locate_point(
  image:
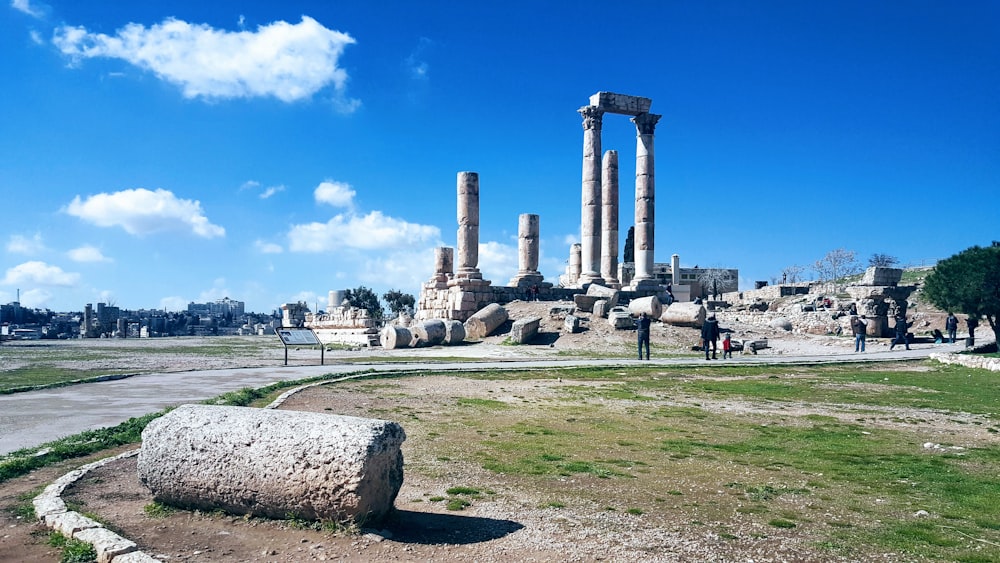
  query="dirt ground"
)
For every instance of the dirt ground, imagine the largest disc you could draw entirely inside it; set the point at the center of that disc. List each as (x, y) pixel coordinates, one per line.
(511, 526)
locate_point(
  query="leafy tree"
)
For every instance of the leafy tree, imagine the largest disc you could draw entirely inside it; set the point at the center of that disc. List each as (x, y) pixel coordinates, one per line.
(836, 264)
(883, 261)
(364, 298)
(968, 282)
(399, 302)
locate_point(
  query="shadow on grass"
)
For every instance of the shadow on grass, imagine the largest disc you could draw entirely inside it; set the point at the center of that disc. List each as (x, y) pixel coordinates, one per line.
(408, 526)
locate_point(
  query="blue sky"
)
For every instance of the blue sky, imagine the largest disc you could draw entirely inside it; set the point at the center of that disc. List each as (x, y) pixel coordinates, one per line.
(157, 153)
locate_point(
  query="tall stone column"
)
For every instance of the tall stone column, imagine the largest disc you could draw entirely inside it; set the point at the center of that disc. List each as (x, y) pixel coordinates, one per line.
(609, 219)
(645, 194)
(468, 226)
(590, 219)
(675, 270)
(527, 251)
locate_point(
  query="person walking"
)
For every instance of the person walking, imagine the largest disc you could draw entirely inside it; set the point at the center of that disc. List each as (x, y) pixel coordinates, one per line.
(642, 331)
(901, 337)
(860, 327)
(727, 347)
(951, 326)
(710, 335)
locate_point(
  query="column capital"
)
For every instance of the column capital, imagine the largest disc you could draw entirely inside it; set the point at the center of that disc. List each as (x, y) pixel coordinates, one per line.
(592, 117)
(645, 123)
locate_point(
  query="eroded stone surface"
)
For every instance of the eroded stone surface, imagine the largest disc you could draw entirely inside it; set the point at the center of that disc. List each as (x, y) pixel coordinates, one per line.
(273, 463)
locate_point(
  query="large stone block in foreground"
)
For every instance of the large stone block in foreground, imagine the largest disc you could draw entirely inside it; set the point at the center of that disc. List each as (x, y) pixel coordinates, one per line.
(273, 463)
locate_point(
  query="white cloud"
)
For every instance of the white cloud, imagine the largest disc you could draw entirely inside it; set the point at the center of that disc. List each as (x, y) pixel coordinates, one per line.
(287, 61)
(217, 291)
(570, 240)
(270, 191)
(404, 270)
(28, 7)
(36, 298)
(267, 247)
(337, 194)
(174, 303)
(250, 185)
(141, 212)
(36, 37)
(39, 273)
(370, 232)
(497, 261)
(416, 65)
(87, 253)
(22, 245)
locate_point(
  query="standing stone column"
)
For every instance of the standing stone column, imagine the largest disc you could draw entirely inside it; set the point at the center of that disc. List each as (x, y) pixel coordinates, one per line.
(574, 263)
(644, 201)
(527, 251)
(675, 270)
(468, 226)
(609, 219)
(590, 220)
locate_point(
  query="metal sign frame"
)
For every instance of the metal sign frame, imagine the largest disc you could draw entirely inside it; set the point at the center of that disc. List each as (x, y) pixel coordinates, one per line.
(300, 337)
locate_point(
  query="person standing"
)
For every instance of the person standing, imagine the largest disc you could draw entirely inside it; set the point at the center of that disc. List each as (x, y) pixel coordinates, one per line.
(727, 347)
(901, 337)
(710, 335)
(972, 323)
(951, 326)
(642, 330)
(860, 327)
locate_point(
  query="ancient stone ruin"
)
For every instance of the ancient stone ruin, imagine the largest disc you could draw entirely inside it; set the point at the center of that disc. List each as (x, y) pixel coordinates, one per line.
(273, 463)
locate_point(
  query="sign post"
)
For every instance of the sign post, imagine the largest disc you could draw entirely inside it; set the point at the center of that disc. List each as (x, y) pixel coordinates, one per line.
(300, 337)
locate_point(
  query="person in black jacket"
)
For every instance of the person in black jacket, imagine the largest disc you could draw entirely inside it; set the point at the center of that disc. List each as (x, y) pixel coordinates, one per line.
(710, 335)
(951, 326)
(901, 338)
(642, 331)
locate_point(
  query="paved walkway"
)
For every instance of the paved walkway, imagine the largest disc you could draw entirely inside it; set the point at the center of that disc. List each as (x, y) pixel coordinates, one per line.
(36, 417)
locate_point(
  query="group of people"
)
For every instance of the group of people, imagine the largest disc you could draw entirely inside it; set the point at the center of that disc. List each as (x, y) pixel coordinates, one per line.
(710, 333)
(859, 326)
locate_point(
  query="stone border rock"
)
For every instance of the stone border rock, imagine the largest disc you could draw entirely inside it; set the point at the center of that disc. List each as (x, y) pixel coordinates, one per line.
(50, 508)
(967, 360)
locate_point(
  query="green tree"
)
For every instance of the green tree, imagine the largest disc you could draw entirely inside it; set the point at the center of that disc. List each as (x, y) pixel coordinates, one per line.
(399, 301)
(968, 282)
(364, 298)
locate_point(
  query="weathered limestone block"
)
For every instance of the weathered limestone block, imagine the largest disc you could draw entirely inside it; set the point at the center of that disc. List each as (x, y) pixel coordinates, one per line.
(69, 523)
(485, 321)
(572, 324)
(454, 331)
(107, 544)
(561, 310)
(428, 333)
(783, 323)
(601, 308)
(875, 275)
(395, 336)
(585, 303)
(523, 330)
(136, 557)
(686, 313)
(604, 292)
(273, 463)
(650, 305)
(620, 318)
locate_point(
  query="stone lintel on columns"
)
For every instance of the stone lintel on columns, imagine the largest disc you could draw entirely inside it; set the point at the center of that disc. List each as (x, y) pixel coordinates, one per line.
(621, 103)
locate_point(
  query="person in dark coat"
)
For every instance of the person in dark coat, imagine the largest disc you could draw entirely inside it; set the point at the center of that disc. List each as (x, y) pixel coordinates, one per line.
(972, 323)
(951, 326)
(642, 331)
(710, 335)
(901, 328)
